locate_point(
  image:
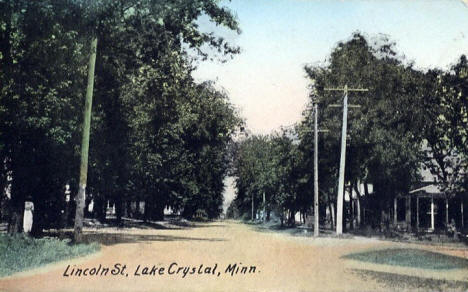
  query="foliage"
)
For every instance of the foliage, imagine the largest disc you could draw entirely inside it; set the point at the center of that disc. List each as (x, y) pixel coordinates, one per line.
(404, 113)
(141, 136)
(270, 166)
(445, 106)
(383, 144)
(40, 99)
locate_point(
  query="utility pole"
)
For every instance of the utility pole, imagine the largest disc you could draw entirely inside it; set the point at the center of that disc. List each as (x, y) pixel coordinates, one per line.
(316, 188)
(264, 207)
(80, 198)
(339, 202)
(252, 207)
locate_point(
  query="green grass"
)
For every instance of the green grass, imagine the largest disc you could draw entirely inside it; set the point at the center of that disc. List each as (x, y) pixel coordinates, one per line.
(407, 257)
(20, 253)
(396, 282)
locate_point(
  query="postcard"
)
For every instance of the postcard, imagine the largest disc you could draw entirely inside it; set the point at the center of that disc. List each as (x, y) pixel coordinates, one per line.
(243, 145)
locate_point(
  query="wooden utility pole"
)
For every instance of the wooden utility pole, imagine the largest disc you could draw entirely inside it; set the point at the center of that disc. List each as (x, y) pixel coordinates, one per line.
(316, 180)
(339, 202)
(316, 186)
(80, 198)
(252, 207)
(316, 189)
(264, 207)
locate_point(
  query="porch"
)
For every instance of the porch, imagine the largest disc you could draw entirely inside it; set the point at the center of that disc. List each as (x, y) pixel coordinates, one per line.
(428, 209)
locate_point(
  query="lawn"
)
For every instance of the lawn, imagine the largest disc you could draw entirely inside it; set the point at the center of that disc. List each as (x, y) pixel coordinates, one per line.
(20, 253)
(407, 257)
(396, 282)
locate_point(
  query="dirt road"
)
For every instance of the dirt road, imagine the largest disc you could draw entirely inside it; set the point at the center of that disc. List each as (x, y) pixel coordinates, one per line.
(234, 257)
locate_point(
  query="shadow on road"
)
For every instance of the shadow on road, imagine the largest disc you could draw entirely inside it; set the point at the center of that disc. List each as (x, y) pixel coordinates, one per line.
(134, 231)
(196, 225)
(107, 238)
(170, 224)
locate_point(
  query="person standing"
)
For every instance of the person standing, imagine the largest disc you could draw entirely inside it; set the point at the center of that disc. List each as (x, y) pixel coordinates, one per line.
(28, 215)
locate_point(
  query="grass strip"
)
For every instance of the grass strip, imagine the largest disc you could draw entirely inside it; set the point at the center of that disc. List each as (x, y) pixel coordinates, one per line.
(20, 253)
(408, 257)
(397, 282)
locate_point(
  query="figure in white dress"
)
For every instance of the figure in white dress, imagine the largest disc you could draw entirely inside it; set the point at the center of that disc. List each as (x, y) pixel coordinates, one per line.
(28, 216)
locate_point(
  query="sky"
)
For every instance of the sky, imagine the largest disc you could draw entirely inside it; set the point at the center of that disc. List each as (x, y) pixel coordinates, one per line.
(266, 81)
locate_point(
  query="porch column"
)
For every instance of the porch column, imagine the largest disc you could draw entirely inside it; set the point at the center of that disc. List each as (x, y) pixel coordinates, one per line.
(395, 211)
(417, 212)
(432, 212)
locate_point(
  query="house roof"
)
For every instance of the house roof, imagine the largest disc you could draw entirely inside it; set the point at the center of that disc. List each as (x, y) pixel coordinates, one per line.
(429, 189)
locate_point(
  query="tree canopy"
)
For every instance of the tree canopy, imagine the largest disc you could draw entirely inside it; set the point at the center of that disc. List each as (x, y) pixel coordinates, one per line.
(156, 135)
(408, 119)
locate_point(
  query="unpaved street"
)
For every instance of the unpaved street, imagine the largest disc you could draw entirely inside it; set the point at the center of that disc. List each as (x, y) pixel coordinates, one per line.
(172, 258)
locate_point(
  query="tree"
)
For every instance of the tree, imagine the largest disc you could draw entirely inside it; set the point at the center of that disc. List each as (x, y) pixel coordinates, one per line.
(383, 147)
(39, 99)
(270, 166)
(45, 46)
(445, 126)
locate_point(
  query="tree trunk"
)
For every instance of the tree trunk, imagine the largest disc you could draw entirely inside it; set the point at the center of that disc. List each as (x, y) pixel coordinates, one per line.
(292, 218)
(119, 209)
(2, 196)
(38, 220)
(126, 212)
(358, 205)
(351, 210)
(358, 211)
(332, 212)
(408, 214)
(100, 209)
(158, 214)
(16, 212)
(15, 224)
(148, 211)
(282, 217)
(382, 220)
(366, 193)
(343, 215)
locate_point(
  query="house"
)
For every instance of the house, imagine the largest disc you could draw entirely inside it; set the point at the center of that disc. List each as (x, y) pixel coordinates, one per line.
(428, 207)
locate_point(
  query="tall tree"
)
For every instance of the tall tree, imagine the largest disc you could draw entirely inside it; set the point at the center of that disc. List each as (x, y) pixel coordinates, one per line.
(39, 96)
(383, 148)
(444, 130)
(45, 45)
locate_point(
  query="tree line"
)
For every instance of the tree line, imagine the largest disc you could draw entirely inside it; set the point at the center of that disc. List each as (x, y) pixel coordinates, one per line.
(156, 134)
(408, 119)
